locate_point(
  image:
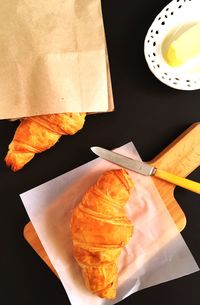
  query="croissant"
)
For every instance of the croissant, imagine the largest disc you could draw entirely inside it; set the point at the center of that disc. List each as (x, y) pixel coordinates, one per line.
(39, 133)
(100, 229)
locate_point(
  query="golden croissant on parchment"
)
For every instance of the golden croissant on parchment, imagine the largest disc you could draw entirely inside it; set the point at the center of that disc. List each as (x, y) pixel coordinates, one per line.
(39, 133)
(100, 230)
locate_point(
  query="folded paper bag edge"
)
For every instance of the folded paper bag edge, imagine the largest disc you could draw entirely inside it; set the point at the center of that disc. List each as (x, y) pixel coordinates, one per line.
(12, 90)
(49, 85)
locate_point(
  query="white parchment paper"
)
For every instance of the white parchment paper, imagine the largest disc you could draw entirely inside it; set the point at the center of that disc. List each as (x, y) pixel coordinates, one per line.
(156, 253)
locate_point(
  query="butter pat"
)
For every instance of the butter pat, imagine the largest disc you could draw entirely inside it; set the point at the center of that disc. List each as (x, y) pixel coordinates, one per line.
(186, 47)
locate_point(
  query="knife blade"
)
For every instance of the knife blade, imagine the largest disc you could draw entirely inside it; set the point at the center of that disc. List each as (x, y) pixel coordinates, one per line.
(145, 169)
(134, 165)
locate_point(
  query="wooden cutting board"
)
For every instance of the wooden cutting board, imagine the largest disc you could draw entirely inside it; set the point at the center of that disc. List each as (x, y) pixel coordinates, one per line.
(181, 157)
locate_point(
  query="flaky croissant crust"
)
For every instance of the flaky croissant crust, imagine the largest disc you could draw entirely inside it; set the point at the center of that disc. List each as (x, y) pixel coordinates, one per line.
(39, 133)
(100, 229)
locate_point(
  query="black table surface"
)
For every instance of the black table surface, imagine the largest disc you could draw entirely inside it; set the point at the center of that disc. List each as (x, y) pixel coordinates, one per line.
(148, 113)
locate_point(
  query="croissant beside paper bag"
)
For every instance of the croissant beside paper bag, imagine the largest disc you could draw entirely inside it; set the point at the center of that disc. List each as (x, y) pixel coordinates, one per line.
(39, 133)
(100, 230)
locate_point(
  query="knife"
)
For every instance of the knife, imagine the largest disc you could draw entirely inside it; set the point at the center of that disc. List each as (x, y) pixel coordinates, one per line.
(145, 169)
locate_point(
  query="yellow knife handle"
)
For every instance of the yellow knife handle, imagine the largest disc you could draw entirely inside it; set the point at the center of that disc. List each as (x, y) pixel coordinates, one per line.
(182, 182)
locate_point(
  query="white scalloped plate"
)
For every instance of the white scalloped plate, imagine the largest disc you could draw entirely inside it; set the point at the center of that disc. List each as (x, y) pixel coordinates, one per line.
(176, 17)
